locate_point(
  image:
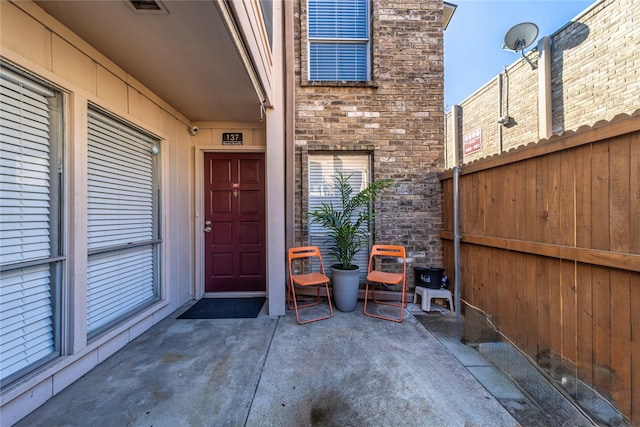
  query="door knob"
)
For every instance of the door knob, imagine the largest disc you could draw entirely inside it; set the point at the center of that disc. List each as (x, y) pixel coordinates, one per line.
(207, 229)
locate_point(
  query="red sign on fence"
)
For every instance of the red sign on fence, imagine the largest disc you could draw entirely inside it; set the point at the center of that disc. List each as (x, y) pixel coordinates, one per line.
(472, 141)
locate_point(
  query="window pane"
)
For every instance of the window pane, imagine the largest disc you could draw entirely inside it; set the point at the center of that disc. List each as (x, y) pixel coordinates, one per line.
(122, 210)
(338, 37)
(31, 173)
(338, 19)
(25, 181)
(26, 318)
(338, 61)
(120, 186)
(322, 171)
(119, 282)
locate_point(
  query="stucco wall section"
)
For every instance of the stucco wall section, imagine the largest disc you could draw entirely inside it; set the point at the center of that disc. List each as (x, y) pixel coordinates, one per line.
(210, 134)
(398, 119)
(594, 76)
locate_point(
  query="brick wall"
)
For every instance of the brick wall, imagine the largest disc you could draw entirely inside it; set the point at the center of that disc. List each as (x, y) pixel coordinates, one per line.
(594, 63)
(398, 118)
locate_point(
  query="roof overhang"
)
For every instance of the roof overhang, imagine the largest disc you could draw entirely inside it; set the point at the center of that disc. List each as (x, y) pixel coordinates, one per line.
(186, 54)
(448, 9)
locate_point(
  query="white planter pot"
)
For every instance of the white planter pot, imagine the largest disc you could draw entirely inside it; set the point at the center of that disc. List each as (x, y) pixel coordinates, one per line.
(346, 284)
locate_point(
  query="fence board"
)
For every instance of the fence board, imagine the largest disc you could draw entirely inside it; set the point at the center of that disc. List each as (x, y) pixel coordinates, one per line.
(619, 187)
(532, 307)
(634, 194)
(566, 201)
(474, 216)
(583, 196)
(544, 344)
(602, 329)
(530, 202)
(447, 204)
(510, 301)
(552, 208)
(520, 195)
(486, 282)
(500, 281)
(585, 361)
(493, 212)
(635, 347)
(621, 339)
(600, 196)
(522, 318)
(485, 200)
(568, 318)
(468, 268)
(555, 310)
(509, 202)
(541, 199)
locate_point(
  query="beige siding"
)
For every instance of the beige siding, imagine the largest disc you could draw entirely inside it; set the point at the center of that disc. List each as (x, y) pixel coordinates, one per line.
(33, 41)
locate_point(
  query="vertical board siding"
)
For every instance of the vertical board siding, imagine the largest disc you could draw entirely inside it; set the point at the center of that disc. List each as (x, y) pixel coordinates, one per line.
(621, 338)
(634, 194)
(634, 288)
(549, 251)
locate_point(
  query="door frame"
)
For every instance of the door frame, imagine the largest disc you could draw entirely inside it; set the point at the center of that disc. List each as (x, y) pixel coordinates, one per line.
(199, 291)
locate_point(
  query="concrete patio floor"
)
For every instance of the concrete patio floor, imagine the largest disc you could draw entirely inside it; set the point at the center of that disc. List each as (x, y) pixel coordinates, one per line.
(350, 370)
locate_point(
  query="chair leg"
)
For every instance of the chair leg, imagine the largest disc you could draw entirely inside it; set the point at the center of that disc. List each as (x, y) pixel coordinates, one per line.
(401, 306)
(298, 307)
(290, 307)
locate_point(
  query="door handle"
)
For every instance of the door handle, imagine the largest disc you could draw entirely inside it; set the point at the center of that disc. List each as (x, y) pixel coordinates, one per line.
(207, 229)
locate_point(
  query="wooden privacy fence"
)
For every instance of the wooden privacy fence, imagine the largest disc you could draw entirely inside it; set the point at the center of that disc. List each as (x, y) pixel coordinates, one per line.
(550, 252)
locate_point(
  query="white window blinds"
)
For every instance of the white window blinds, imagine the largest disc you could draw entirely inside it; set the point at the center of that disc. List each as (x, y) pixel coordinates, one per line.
(123, 221)
(29, 256)
(338, 35)
(322, 171)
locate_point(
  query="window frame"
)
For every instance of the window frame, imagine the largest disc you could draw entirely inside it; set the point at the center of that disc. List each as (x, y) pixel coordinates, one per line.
(54, 261)
(317, 238)
(367, 81)
(154, 241)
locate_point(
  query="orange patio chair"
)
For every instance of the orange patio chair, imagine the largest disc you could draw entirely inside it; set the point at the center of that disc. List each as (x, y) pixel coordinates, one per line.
(315, 279)
(386, 278)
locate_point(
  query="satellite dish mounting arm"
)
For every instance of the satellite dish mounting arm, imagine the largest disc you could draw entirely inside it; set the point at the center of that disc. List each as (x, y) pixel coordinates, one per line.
(533, 66)
(520, 37)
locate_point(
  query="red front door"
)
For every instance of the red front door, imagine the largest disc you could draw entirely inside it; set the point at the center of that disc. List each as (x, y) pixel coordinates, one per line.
(234, 213)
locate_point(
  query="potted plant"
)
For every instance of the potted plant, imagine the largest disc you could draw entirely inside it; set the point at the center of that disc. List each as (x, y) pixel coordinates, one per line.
(344, 222)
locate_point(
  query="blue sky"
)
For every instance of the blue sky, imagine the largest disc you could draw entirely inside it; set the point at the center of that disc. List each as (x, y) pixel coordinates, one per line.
(473, 40)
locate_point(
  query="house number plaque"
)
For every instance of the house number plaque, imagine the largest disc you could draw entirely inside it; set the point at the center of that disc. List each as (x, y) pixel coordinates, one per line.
(231, 138)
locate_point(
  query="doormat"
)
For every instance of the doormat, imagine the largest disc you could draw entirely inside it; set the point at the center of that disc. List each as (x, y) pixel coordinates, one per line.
(225, 308)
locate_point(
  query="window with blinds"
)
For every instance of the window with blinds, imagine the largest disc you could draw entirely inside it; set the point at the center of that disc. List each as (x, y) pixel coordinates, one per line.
(123, 221)
(31, 253)
(322, 170)
(338, 38)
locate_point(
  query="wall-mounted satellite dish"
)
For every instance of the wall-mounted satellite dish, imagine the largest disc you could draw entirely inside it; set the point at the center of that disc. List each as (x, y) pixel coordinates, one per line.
(520, 37)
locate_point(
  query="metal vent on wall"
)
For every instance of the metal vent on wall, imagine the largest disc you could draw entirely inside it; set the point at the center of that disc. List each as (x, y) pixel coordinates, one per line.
(147, 6)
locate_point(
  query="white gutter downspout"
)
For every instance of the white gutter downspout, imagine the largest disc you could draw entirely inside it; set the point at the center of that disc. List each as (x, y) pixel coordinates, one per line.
(545, 123)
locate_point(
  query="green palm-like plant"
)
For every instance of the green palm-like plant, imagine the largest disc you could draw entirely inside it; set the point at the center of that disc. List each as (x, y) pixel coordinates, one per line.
(344, 221)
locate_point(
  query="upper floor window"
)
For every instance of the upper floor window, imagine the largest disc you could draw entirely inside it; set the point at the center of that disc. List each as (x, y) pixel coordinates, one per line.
(267, 16)
(338, 40)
